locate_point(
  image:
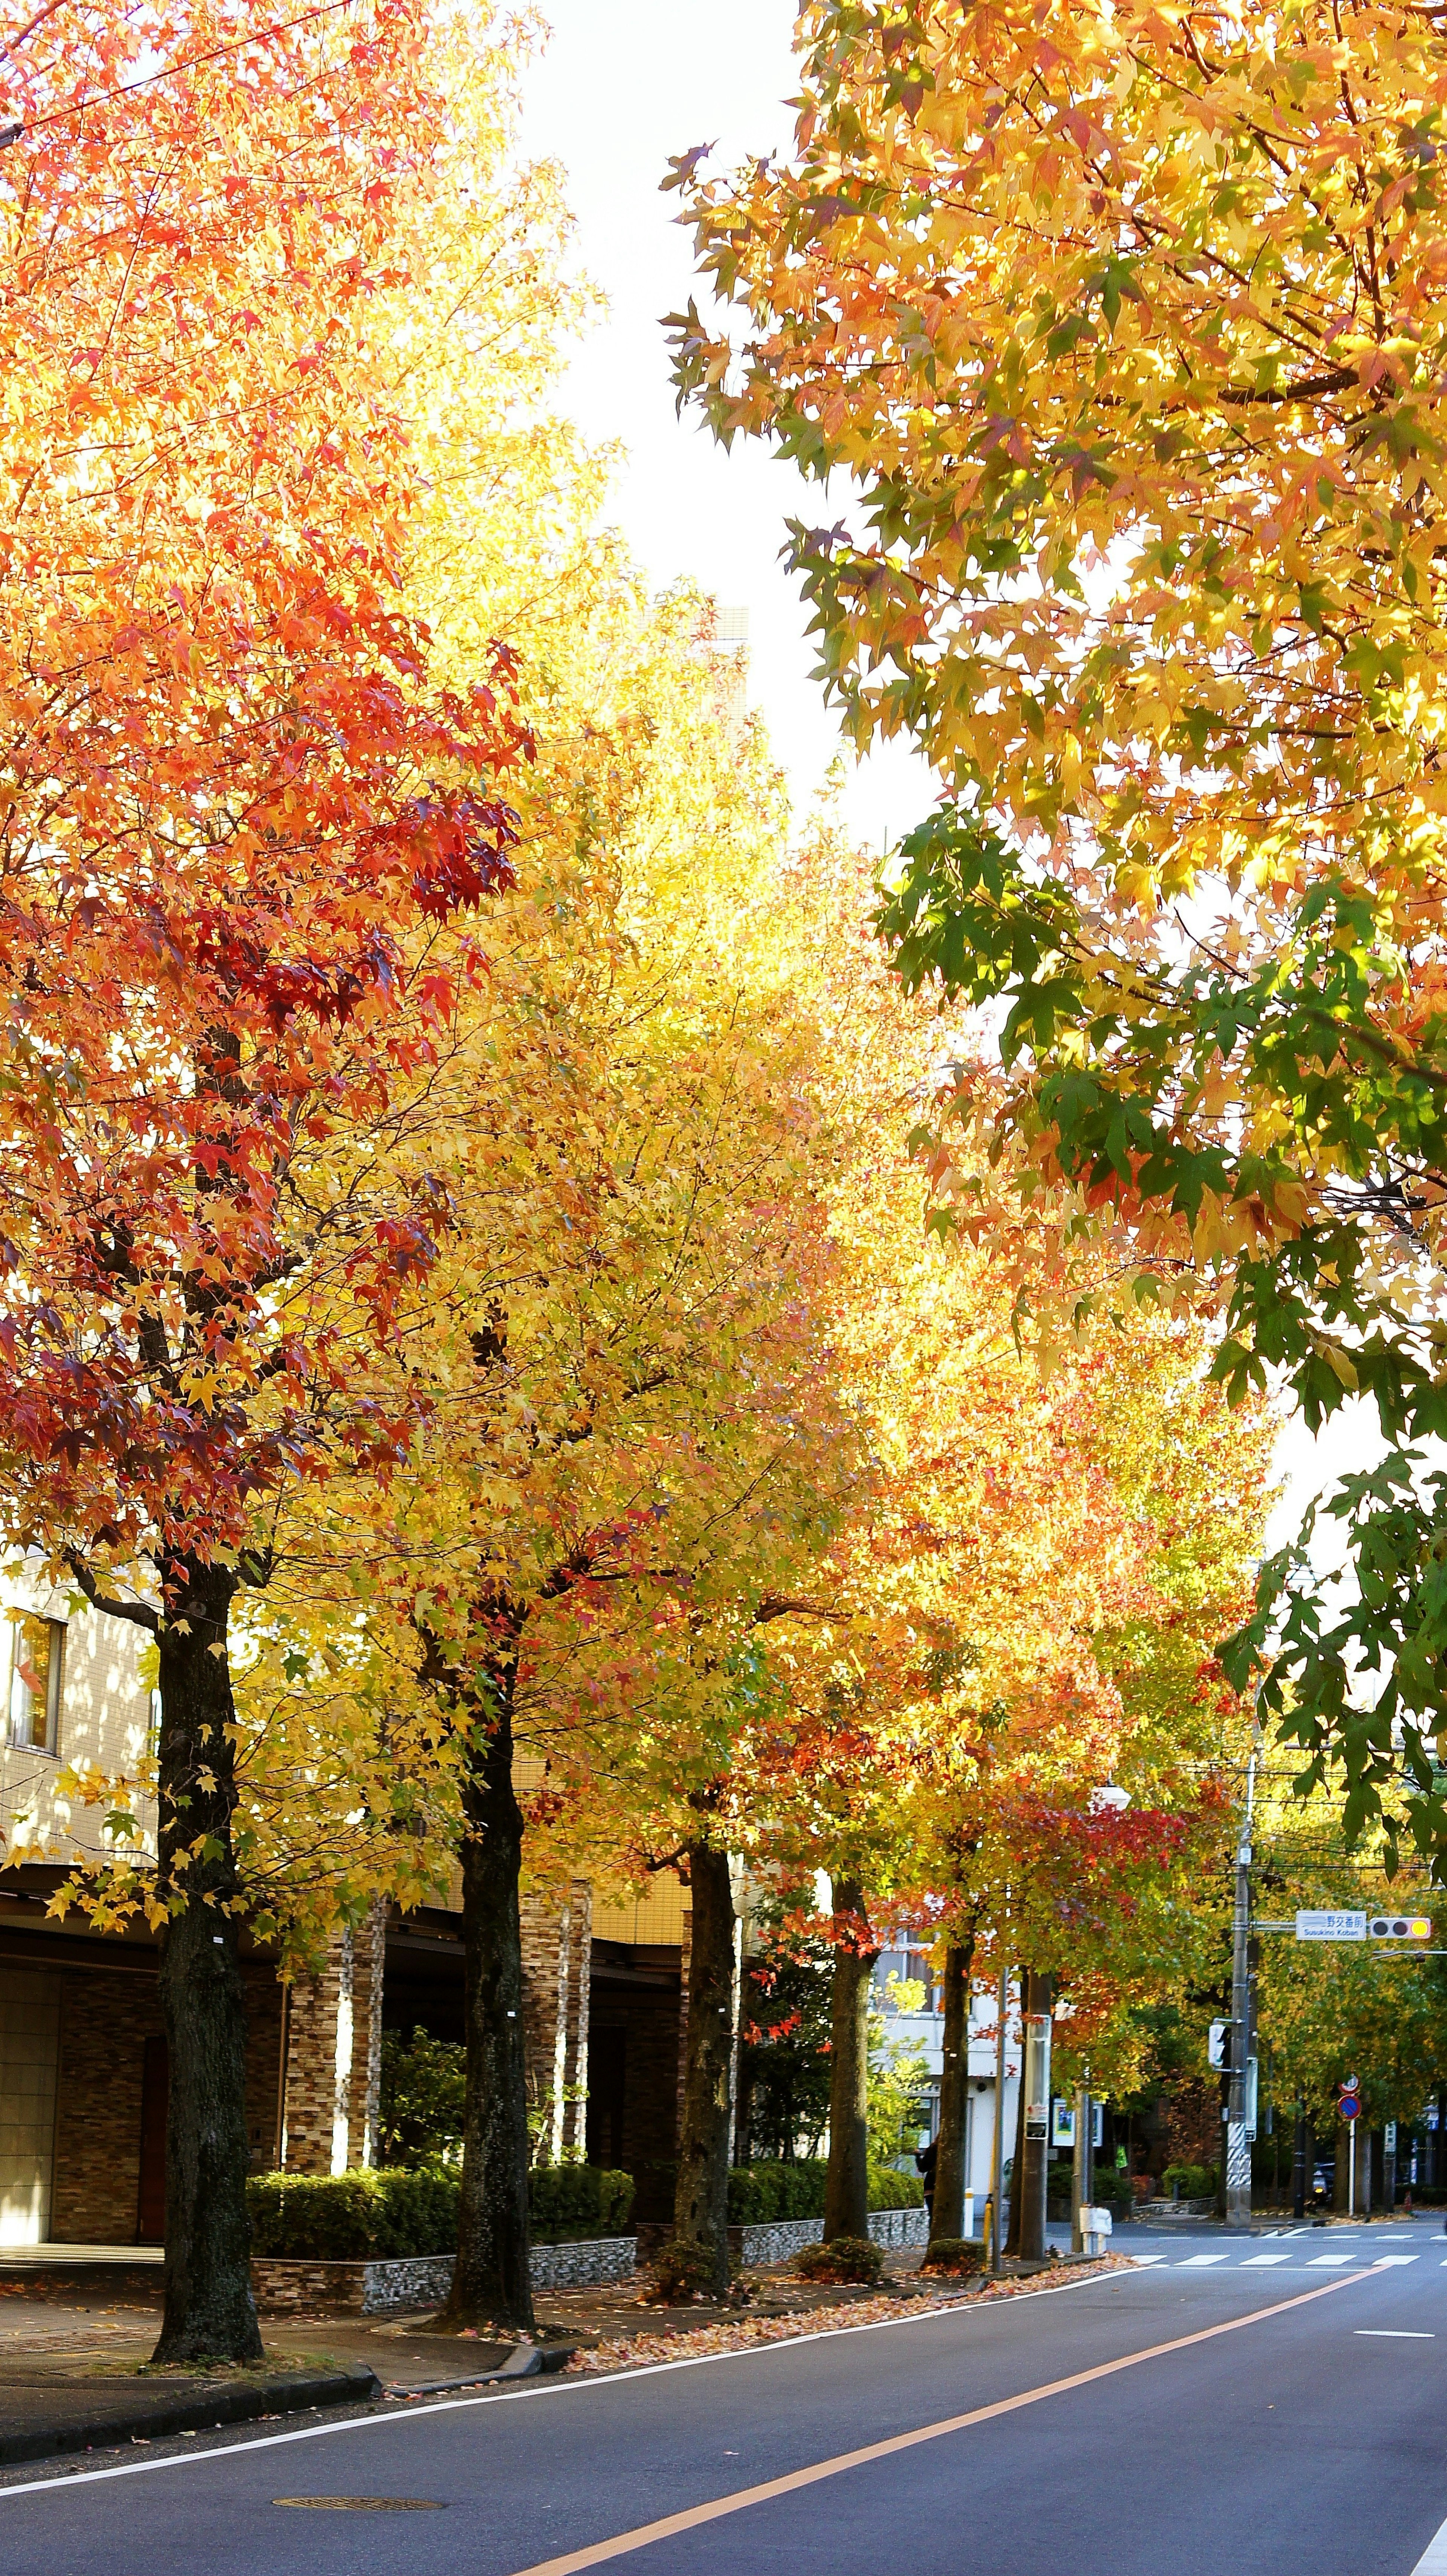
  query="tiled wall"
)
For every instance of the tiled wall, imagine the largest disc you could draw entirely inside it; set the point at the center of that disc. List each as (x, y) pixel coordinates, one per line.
(29, 2041)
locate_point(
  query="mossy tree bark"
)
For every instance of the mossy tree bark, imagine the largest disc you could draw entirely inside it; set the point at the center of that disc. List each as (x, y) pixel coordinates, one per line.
(948, 2215)
(701, 2192)
(210, 2314)
(846, 2189)
(492, 2278)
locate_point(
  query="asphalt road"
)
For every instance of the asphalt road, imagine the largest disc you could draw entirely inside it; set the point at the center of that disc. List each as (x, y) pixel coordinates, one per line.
(1308, 2436)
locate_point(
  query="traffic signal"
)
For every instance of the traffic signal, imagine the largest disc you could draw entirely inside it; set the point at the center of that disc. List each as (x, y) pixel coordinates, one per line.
(1218, 2046)
(1400, 1927)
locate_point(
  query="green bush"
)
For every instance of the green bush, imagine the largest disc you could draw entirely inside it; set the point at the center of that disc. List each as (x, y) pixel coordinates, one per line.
(891, 2189)
(849, 2258)
(1197, 2182)
(588, 2199)
(351, 2217)
(358, 2217)
(760, 2194)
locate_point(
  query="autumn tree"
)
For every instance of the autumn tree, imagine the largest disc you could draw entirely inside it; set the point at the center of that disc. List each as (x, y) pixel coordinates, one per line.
(1019, 1600)
(1122, 330)
(236, 804)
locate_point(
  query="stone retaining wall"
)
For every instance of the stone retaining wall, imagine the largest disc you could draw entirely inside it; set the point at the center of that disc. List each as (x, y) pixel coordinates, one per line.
(285, 2286)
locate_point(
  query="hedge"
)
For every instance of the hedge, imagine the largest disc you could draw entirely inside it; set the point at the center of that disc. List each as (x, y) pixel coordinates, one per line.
(364, 2216)
(759, 2194)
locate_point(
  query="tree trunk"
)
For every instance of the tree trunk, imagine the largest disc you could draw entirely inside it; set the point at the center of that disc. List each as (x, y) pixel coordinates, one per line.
(947, 2218)
(210, 2314)
(1017, 2168)
(1040, 1998)
(701, 2191)
(492, 2280)
(846, 2189)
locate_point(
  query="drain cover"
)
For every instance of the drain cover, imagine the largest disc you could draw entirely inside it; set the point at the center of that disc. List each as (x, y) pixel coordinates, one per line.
(365, 2504)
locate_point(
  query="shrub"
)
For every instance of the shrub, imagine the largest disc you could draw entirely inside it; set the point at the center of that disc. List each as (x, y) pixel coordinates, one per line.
(759, 2194)
(591, 2199)
(364, 2216)
(959, 2255)
(681, 2271)
(891, 2189)
(423, 2088)
(1197, 2182)
(848, 2258)
(353, 2217)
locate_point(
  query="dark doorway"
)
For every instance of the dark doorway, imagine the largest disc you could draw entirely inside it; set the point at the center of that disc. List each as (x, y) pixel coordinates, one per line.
(155, 2093)
(607, 2078)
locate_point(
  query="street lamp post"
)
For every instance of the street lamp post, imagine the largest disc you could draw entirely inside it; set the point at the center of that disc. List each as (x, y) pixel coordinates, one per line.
(1238, 2147)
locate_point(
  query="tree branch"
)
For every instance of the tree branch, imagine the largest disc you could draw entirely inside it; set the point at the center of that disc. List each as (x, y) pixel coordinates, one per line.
(139, 1613)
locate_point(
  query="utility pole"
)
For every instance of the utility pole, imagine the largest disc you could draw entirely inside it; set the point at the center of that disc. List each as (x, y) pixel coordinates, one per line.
(1298, 2163)
(1082, 2179)
(1238, 2150)
(995, 2252)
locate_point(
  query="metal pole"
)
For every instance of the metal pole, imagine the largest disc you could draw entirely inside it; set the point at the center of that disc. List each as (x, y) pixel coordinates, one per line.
(997, 2185)
(1079, 2188)
(1352, 2170)
(1238, 2151)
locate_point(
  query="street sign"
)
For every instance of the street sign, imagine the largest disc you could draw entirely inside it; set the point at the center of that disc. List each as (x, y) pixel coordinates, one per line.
(1351, 2084)
(1349, 2105)
(1062, 2122)
(1401, 1927)
(1323, 1924)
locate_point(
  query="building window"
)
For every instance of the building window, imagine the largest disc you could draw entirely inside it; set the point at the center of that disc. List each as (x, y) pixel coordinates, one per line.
(37, 1657)
(913, 1965)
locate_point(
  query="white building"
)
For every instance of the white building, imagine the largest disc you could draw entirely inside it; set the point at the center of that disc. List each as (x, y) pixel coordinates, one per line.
(902, 1965)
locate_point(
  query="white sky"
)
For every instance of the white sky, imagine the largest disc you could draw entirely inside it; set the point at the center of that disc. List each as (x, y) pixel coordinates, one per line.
(623, 86)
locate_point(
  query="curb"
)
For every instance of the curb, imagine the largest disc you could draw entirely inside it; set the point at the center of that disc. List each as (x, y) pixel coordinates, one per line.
(525, 2361)
(224, 2405)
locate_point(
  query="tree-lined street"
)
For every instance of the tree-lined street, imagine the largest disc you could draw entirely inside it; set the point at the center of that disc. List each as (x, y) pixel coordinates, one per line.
(721, 1539)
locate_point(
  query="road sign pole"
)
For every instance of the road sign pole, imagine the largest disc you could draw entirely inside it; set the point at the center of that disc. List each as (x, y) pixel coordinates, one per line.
(1352, 2170)
(1238, 2150)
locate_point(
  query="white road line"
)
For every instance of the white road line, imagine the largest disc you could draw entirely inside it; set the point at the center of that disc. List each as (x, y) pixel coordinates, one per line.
(1264, 2258)
(1142, 2260)
(1433, 2561)
(1319, 2261)
(1384, 2259)
(1202, 2258)
(1395, 2334)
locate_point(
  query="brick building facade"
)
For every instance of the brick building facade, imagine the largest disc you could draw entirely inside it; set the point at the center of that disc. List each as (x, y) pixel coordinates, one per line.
(83, 2075)
(83, 2104)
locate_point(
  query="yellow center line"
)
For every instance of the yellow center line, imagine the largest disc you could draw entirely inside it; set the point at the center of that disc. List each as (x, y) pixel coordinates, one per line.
(671, 2524)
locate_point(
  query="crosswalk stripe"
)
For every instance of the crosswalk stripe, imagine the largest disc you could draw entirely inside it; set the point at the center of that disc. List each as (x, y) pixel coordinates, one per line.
(1384, 2259)
(1319, 2260)
(1202, 2258)
(1264, 2258)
